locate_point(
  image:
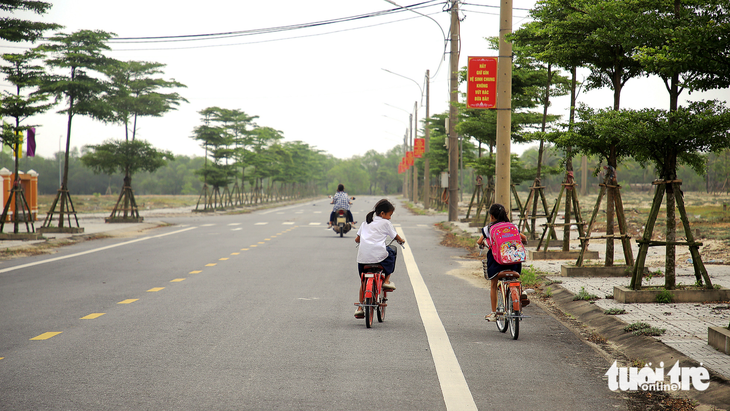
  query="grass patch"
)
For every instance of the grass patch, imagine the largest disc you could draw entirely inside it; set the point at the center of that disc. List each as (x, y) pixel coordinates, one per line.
(414, 209)
(639, 328)
(615, 311)
(584, 295)
(664, 297)
(530, 277)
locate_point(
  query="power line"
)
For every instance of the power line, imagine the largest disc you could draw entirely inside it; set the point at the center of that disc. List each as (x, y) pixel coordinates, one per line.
(269, 40)
(269, 30)
(496, 7)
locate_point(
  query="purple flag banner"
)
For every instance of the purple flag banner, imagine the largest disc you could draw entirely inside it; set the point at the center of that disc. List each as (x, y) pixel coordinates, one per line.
(31, 143)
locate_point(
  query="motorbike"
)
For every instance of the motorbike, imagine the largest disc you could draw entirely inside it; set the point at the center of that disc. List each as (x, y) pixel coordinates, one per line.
(341, 226)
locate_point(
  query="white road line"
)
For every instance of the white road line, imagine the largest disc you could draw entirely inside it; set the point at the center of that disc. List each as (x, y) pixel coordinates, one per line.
(454, 388)
(234, 224)
(288, 223)
(236, 229)
(18, 267)
(315, 223)
(207, 225)
(261, 223)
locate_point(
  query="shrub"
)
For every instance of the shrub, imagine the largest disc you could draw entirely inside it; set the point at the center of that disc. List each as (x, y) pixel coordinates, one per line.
(615, 311)
(664, 297)
(584, 295)
(639, 328)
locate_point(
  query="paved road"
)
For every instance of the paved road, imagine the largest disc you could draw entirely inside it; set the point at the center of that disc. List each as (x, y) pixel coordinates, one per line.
(254, 311)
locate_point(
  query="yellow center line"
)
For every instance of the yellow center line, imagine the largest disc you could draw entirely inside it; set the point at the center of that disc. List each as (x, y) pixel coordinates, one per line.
(267, 239)
(195, 272)
(244, 249)
(235, 253)
(45, 336)
(156, 289)
(261, 242)
(253, 245)
(210, 265)
(223, 259)
(177, 280)
(129, 301)
(92, 316)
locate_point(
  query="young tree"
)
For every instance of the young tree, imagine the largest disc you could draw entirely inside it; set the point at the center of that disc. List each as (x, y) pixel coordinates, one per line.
(134, 92)
(128, 157)
(78, 61)
(216, 142)
(668, 139)
(686, 43)
(23, 73)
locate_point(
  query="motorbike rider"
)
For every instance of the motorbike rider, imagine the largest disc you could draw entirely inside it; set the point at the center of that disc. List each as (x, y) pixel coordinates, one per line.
(341, 200)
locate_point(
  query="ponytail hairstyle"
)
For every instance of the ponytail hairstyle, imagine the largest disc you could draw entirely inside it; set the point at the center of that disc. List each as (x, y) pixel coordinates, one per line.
(382, 206)
(499, 213)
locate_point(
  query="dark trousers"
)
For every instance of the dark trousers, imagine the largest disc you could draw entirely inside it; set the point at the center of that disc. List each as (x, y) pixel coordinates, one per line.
(388, 263)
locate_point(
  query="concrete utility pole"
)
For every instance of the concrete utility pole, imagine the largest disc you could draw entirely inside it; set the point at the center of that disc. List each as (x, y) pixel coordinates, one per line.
(414, 197)
(427, 162)
(504, 107)
(412, 169)
(453, 99)
(405, 173)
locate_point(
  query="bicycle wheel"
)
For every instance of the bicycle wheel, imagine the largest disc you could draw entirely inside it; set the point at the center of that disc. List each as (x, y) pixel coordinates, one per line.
(381, 307)
(369, 312)
(514, 322)
(501, 322)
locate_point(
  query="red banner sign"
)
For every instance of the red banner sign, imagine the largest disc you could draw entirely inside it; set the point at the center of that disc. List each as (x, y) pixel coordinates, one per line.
(481, 91)
(409, 158)
(419, 147)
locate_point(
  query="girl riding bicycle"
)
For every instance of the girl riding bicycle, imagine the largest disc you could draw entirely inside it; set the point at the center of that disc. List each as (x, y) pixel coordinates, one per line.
(372, 250)
(497, 214)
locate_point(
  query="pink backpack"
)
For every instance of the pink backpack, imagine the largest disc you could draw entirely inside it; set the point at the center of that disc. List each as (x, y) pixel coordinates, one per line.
(504, 241)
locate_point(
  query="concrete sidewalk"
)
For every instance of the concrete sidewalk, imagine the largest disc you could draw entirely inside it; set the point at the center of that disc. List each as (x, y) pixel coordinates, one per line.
(686, 324)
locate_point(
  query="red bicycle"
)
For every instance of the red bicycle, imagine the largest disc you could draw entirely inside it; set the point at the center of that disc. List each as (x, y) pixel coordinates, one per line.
(375, 297)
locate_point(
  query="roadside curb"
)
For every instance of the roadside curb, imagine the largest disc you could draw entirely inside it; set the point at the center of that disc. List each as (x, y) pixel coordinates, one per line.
(643, 348)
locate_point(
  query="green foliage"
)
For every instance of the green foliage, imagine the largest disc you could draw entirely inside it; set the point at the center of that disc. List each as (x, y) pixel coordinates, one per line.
(584, 295)
(119, 156)
(529, 277)
(664, 297)
(134, 92)
(636, 326)
(22, 71)
(77, 60)
(614, 311)
(18, 30)
(351, 174)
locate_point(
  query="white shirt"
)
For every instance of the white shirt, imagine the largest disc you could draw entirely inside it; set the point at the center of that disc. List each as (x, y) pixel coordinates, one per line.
(372, 240)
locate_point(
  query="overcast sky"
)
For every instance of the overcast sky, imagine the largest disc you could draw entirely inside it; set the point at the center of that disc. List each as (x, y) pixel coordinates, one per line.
(323, 85)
